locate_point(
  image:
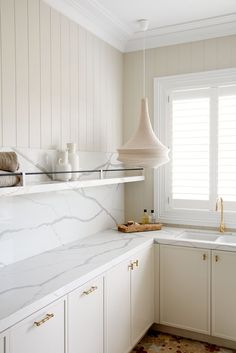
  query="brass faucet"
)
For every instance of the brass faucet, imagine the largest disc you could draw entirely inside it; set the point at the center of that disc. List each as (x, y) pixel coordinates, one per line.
(222, 225)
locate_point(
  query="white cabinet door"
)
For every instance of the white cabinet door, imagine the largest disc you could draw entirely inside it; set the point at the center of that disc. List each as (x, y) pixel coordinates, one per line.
(42, 332)
(185, 288)
(117, 310)
(85, 318)
(142, 293)
(2, 344)
(224, 294)
(157, 283)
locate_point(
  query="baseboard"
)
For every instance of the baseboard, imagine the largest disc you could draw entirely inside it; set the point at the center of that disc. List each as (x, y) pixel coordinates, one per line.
(195, 336)
(141, 336)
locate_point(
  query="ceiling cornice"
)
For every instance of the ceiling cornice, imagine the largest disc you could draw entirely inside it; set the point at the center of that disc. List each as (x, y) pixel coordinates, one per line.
(184, 32)
(105, 25)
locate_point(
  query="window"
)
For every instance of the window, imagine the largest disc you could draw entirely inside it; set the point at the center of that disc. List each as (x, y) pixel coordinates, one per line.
(195, 116)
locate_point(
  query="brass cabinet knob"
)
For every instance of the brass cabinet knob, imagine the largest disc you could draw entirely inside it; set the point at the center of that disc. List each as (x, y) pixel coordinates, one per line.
(216, 258)
(204, 257)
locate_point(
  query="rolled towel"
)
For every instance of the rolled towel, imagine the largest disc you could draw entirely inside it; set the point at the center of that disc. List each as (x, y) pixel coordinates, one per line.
(8, 180)
(9, 161)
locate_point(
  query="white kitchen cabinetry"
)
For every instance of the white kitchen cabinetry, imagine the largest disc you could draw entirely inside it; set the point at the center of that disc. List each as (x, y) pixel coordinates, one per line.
(157, 283)
(2, 348)
(142, 294)
(85, 318)
(223, 294)
(3, 343)
(129, 297)
(185, 288)
(43, 331)
(117, 311)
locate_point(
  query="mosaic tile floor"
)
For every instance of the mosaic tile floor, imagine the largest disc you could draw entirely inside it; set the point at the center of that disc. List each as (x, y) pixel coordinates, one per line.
(163, 343)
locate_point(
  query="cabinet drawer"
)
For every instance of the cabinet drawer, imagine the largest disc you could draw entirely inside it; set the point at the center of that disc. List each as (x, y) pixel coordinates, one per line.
(43, 331)
(85, 318)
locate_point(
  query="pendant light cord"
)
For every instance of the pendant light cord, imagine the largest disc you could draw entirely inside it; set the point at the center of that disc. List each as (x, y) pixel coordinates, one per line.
(143, 23)
(144, 64)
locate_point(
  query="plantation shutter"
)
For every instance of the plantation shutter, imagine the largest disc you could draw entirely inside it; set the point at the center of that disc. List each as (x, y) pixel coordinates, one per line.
(190, 148)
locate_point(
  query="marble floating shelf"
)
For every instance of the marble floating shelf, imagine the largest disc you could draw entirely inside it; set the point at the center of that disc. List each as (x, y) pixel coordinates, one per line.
(70, 185)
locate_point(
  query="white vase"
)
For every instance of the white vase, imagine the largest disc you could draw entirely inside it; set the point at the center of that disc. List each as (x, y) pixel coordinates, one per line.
(63, 165)
(73, 159)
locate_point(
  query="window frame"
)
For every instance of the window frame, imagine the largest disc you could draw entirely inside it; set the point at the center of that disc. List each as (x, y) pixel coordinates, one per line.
(162, 127)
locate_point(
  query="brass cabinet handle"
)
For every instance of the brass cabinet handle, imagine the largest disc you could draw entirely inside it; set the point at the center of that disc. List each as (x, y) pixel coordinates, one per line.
(45, 319)
(91, 290)
(131, 266)
(204, 257)
(216, 258)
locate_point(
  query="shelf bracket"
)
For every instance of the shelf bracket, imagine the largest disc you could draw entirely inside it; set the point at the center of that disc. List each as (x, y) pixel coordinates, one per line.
(23, 179)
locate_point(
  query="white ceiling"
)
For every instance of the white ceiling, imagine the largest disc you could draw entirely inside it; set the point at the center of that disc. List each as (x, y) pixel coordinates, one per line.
(166, 12)
(170, 21)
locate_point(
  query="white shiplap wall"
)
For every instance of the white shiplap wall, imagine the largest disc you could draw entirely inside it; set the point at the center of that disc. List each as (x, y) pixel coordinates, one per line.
(59, 83)
(212, 54)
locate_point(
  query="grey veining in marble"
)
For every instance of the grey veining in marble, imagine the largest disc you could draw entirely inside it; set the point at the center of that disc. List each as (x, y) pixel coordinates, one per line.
(62, 268)
(32, 224)
(28, 285)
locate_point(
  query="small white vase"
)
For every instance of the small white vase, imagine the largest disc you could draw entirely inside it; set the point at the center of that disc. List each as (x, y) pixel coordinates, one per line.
(73, 159)
(63, 165)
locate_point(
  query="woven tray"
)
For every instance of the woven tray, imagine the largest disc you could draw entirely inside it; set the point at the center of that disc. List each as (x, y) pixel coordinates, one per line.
(137, 227)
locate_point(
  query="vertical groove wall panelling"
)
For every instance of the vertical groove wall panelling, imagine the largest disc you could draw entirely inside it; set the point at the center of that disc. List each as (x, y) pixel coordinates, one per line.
(22, 67)
(8, 72)
(58, 81)
(210, 54)
(119, 103)
(82, 88)
(1, 122)
(197, 56)
(65, 81)
(104, 98)
(56, 77)
(113, 122)
(115, 108)
(90, 91)
(224, 51)
(97, 80)
(45, 40)
(74, 83)
(34, 73)
(108, 90)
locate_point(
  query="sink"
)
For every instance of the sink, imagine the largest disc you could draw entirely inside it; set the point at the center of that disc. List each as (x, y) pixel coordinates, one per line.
(199, 236)
(227, 239)
(202, 236)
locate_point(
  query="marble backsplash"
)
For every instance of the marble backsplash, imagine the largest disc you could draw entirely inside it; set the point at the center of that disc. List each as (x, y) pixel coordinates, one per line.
(35, 223)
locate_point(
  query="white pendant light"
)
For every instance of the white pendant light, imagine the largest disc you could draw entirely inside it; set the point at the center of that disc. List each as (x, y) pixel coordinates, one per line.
(144, 149)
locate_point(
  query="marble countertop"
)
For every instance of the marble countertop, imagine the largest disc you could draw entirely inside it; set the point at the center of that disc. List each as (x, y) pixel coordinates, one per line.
(29, 285)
